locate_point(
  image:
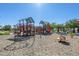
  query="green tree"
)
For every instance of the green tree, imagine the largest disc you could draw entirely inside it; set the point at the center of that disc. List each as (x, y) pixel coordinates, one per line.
(53, 25)
(7, 27)
(72, 24)
(0, 27)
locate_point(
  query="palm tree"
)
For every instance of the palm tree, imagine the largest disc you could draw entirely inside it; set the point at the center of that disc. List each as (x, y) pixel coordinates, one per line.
(58, 27)
(72, 24)
(54, 26)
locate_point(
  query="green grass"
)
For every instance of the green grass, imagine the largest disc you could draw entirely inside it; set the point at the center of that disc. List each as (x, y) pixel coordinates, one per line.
(4, 32)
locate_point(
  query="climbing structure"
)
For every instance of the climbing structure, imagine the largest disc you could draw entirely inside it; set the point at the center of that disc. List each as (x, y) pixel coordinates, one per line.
(25, 27)
(45, 28)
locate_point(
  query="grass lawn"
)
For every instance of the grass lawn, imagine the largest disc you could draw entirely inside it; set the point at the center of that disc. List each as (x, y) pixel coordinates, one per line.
(4, 32)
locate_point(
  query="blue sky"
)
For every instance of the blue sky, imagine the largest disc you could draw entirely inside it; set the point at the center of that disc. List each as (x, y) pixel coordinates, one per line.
(58, 13)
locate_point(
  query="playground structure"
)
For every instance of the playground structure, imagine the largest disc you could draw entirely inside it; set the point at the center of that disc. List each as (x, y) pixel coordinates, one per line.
(26, 27)
(25, 31)
(24, 35)
(45, 27)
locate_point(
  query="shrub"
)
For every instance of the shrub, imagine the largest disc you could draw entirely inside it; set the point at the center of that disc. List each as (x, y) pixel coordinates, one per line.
(4, 32)
(71, 34)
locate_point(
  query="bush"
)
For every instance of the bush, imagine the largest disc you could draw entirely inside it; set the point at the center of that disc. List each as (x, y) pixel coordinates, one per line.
(72, 34)
(4, 32)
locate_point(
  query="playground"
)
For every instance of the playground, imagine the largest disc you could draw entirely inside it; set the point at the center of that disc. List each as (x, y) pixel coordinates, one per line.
(39, 29)
(27, 39)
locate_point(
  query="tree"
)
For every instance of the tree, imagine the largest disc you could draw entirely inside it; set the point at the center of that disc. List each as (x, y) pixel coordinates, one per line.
(0, 27)
(59, 27)
(72, 24)
(7, 27)
(53, 25)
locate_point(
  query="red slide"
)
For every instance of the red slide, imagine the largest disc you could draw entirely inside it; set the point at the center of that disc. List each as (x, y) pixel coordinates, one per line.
(49, 29)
